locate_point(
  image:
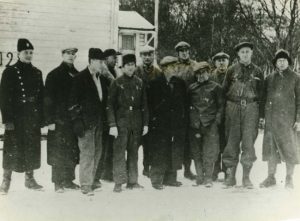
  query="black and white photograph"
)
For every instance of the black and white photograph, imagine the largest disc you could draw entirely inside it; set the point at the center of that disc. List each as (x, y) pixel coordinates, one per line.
(149, 110)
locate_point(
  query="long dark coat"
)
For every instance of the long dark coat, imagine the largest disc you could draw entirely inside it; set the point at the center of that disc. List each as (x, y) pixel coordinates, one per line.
(282, 110)
(62, 148)
(21, 103)
(168, 121)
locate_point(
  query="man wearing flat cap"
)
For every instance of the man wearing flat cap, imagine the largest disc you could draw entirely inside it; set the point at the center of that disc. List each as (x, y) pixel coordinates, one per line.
(105, 167)
(220, 61)
(62, 146)
(205, 113)
(282, 119)
(167, 126)
(147, 71)
(184, 70)
(87, 108)
(127, 114)
(21, 104)
(243, 88)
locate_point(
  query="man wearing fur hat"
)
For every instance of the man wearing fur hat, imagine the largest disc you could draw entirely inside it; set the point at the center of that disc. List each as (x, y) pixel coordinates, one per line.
(184, 70)
(221, 61)
(282, 119)
(167, 108)
(21, 104)
(127, 114)
(205, 111)
(243, 87)
(62, 147)
(147, 72)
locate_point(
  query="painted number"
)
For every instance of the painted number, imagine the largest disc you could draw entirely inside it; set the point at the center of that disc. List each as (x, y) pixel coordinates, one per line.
(10, 57)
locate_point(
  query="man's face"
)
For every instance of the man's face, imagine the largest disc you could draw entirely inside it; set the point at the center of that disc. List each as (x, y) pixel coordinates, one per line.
(129, 68)
(98, 65)
(147, 58)
(184, 54)
(282, 64)
(26, 55)
(111, 61)
(69, 57)
(222, 64)
(245, 54)
(202, 75)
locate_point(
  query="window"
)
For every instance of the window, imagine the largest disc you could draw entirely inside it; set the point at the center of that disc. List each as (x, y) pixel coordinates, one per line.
(127, 42)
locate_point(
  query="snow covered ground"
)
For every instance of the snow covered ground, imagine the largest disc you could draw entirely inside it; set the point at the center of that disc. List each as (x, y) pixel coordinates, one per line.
(186, 203)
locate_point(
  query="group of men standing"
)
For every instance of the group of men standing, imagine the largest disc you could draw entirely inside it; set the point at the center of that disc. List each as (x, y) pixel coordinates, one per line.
(180, 112)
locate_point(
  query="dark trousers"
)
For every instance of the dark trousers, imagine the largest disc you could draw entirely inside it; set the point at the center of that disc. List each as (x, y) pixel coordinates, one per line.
(126, 170)
(63, 174)
(219, 164)
(105, 167)
(204, 149)
(160, 175)
(242, 127)
(146, 152)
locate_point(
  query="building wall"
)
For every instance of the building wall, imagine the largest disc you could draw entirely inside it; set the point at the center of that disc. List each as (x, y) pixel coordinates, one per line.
(51, 25)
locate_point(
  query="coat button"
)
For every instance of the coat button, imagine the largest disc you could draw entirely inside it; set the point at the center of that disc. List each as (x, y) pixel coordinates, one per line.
(23, 89)
(130, 108)
(21, 83)
(20, 77)
(23, 101)
(23, 95)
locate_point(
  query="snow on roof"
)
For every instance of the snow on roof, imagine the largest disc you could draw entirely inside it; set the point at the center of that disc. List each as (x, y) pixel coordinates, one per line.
(133, 20)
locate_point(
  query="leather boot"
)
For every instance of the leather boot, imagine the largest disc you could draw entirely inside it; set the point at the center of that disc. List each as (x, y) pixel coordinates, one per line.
(230, 178)
(268, 182)
(30, 182)
(6, 182)
(246, 177)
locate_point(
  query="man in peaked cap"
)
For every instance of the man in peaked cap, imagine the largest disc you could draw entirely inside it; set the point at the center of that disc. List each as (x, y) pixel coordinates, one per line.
(184, 70)
(147, 71)
(243, 87)
(21, 104)
(167, 106)
(127, 114)
(205, 111)
(62, 144)
(282, 119)
(220, 61)
(87, 108)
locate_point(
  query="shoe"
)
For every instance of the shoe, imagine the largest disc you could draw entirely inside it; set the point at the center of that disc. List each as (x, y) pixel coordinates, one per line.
(158, 186)
(230, 180)
(268, 182)
(32, 184)
(4, 186)
(189, 175)
(134, 186)
(289, 182)
(246, 178)
(208, 182)
(59, 188)
(118, 188)
(87, 190)
(71, 185)
(199, 181)
(175, 184)
(96, 185)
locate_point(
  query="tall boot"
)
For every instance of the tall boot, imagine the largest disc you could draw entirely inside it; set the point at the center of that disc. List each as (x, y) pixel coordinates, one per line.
(270, 180)
(30, 182)
(6, 182)
(199, 171)
(246, 177)
(209, 168)
(230, 177)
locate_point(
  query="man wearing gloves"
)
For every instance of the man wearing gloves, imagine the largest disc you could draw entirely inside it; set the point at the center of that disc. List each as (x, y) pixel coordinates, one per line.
(282, 119)
(127, 114)
(205, 111)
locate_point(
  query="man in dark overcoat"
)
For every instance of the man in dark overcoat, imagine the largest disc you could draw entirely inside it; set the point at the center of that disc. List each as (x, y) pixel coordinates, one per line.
(21, 103)
(167, 107)
(62, 147)
(184, 70)
(147, 71)
(282, 119)
(220, 61)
